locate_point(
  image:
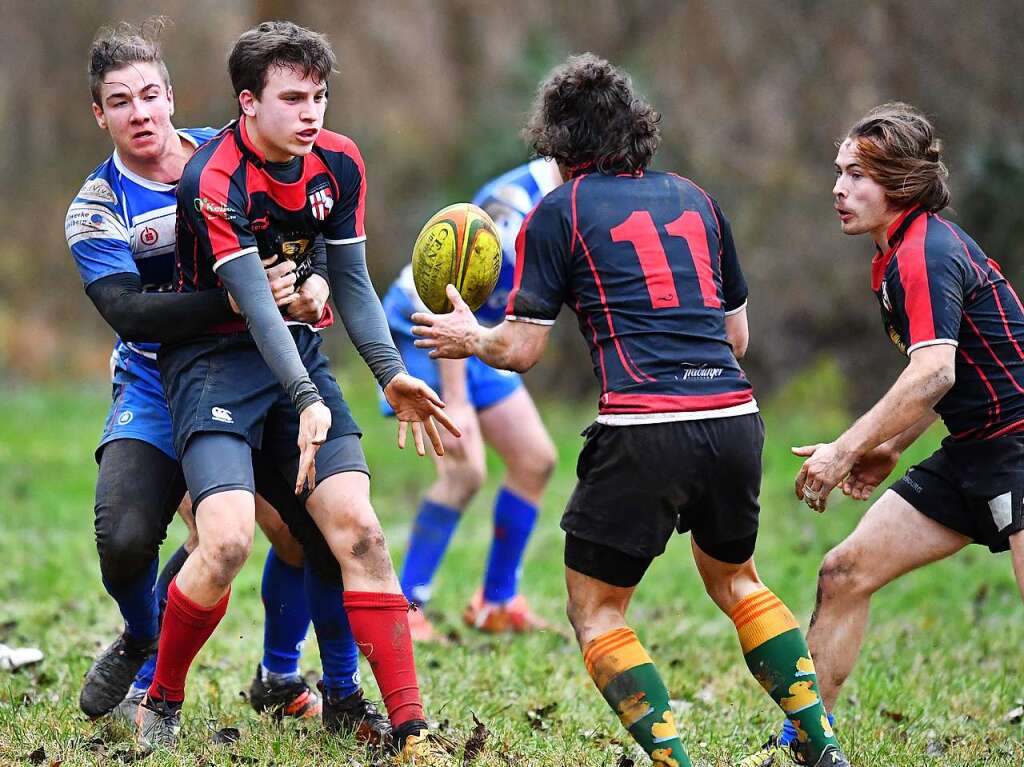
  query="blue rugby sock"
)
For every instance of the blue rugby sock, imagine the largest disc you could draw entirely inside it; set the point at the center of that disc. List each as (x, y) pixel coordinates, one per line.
(286, 615)
(514, 519)
(136, 599)
(431, 533)
(338, 652)
(788, 733)
(145, 676)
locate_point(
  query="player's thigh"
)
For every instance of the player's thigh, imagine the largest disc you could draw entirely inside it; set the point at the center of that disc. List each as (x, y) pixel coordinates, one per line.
(219, 475)
(300, 531)
(340, 507)
(138, 488)
(622, 499)
(722, 510)
(513, 427)
(890, 540)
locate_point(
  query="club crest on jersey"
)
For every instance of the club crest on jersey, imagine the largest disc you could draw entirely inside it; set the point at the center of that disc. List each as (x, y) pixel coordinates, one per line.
(292, 248)
(321, 202)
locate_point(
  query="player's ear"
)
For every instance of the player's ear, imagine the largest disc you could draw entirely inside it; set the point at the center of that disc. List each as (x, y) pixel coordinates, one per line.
(97, 112)
(170, 99)
(247, 101)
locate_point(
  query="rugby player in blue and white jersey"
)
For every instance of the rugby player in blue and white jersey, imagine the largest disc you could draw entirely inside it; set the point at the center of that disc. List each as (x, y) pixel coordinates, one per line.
(489, 405)
(121, 232)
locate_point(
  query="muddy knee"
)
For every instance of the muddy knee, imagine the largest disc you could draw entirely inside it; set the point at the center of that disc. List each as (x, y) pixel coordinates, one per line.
(843, 573)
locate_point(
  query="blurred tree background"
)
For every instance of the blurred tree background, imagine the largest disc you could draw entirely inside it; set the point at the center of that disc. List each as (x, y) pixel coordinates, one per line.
(754, 95)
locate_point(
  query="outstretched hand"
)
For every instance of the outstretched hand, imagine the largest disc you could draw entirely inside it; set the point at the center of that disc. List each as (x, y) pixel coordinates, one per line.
(825, 467)
(416, 403)
(869, 472)
(451, 335)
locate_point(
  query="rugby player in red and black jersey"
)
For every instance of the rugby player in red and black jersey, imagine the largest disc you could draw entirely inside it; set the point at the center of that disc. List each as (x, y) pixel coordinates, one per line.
(949, 308)
(647, 262)
(268, 186)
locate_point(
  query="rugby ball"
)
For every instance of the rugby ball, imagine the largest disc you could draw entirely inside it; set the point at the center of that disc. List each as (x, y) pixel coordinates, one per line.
(459, 245)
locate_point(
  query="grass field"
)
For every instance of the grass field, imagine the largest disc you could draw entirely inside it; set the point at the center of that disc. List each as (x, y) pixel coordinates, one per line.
(940, 670)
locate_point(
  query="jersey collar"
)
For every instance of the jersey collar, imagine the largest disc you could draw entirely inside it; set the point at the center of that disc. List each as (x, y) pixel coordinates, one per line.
(245, 145)
(894, 235)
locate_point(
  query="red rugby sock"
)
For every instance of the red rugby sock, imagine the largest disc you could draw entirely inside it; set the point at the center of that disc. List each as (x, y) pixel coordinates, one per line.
(185, 629)
(380, 625)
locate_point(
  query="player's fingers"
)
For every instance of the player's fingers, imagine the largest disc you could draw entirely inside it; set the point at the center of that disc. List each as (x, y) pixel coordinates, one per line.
(417, 435)
(431, 396)
(453, 295)
(321, 433)
(305, 458)
(801, 478)
(402, 427)
(434, 435)
(446, 422)
(422, 318)
(804, 450)
(425, 343)
(287, 299)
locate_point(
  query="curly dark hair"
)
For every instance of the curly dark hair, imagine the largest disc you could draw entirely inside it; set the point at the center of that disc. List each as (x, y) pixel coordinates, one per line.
(587, 114)
(118, 46)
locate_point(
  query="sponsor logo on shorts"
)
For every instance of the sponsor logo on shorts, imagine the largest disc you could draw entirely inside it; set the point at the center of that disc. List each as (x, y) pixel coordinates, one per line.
(125, 418)
(909, 482)
(700, 372)
(222, 415)
(97, 190)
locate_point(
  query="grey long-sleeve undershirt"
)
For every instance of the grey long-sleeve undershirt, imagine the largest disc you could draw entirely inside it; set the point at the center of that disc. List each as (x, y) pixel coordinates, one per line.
(361, 310)
(247, 282)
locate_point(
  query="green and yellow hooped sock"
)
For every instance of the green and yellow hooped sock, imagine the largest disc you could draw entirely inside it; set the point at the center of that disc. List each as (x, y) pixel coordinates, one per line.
(777, 656)
(630, 682)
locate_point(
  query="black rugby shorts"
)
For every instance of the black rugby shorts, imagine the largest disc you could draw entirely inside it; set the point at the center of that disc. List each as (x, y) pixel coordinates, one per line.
(975, 488)
(638, 484)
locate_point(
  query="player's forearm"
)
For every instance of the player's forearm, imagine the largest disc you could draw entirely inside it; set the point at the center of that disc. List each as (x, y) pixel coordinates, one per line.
(245, 280)
(902, 410)
(361, 311)
(504, 347)
(156, 317)
(909, 436)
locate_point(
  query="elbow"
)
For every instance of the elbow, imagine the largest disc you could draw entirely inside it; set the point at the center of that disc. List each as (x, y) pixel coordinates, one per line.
(520, 365)
(739, 345)
(945, 377)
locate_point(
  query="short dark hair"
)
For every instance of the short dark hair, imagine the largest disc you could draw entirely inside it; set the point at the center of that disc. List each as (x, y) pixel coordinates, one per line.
(587, 113)
(278, 44)
(123, 44)
(898, 149)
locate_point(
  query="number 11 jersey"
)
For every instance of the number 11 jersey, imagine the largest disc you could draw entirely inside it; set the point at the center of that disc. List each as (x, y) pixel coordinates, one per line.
(648, 264)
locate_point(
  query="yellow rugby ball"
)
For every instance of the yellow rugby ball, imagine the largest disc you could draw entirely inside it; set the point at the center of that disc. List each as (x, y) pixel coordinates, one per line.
(460, 246)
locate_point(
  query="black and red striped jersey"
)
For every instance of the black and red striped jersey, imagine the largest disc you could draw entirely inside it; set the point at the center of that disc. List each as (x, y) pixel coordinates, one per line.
(232, 202)
(648, 264)
(936, 286)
